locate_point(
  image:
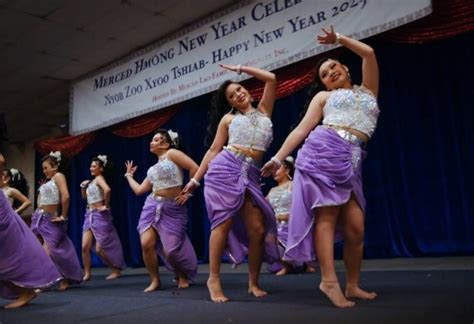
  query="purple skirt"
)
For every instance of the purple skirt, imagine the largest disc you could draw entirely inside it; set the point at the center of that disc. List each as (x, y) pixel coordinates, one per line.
(173, 245)
(226, 181)
(101, 226)
(23, 261)
(60, 247)
(328, 168)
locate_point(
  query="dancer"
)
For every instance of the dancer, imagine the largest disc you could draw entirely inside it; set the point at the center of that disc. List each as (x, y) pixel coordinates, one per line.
(98, 225)
(327, 187)
(280, 199)
(49, 221)
(163, 220)
(241, 219)
(24, 265)
(16, 189)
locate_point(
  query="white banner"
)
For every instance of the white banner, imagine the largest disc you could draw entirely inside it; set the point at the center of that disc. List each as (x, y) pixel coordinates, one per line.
(267, 34)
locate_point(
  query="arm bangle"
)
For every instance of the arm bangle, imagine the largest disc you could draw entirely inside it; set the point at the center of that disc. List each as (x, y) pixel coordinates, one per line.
(239, 72)
(126, 175)
(276, 161)
(338, 38)
(197, 183)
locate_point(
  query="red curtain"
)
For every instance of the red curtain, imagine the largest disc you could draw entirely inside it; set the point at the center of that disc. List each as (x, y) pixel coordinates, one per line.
(449, 18)
(144, 124)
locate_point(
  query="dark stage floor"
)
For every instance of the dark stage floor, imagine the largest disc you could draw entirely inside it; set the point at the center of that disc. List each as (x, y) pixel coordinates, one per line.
(435, 290)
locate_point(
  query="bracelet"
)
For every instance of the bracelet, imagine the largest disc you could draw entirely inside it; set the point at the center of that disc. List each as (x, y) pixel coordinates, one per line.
(197, 183)
(338, 38)
(128, 175)
(239, 72)
(276, 161)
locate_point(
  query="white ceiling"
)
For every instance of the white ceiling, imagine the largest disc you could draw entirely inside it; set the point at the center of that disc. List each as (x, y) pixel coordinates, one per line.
(46, 44)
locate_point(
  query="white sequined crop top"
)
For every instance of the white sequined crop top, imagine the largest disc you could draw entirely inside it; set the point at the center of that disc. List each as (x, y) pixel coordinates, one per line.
(251, 130)
(94, 193)
(280, 199)
(355, 108)
(165, 174)
(49, 193)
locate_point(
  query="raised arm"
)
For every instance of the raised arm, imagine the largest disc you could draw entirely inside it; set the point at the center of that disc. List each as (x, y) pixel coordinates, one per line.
(100, 180)
(310, 120)
(137, 188)
(219, 141)
(370, 69)
(268, 97)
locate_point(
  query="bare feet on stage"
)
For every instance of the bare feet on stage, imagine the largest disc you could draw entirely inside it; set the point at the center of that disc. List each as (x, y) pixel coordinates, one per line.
(333, 291)
(215, 290)
(256, 291)
(63, 285)
(114, 275)
(22, 300)
(154, 285)
(354, 291)
(183, 282)
(87, 276)
(310, 269)
(282, 272)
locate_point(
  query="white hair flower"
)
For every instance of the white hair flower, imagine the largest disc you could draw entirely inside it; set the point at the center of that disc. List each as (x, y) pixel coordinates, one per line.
(290, 159)
(14, 172)
(56, 155)
(173, 136)
(103, 158)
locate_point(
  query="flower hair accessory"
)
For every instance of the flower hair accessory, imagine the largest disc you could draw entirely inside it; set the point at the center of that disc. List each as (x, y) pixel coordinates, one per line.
(56, 155)
(15, 173)
(290, 159)
(103, 158)
(173, 136)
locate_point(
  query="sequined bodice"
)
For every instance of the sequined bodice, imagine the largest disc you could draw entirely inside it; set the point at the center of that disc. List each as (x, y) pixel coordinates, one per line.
(354, 108)
(165, 174)
(94, 193)
(49, 193)
(280, 199)
(252, 130)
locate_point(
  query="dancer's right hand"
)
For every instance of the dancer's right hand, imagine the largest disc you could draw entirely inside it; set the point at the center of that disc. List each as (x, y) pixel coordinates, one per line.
(269, 168)
(84, 183)
(130, 167)
(188, 188)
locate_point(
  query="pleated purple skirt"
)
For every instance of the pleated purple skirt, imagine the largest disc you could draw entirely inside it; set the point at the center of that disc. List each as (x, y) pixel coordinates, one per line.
(226, 181)
(23, 261)
(173, 246)
(101, 225)
(60, 247)
(328, 168)
(282, 231)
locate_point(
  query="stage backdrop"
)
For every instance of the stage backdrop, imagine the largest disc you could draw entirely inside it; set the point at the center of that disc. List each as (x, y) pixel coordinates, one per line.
(418, 175)
(266, 34)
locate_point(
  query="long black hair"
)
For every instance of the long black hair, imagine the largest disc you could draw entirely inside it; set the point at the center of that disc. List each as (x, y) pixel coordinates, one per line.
(17, 181)
(220, 107)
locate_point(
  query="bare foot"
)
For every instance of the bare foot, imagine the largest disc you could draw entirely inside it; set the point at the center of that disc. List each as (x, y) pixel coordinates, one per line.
(357, 292)
(310, 269)
(154, 285)
(22, 299)
(63, 285)
(333, 291)
(257, 292)
(87, 276)
(183, 282)
(282, 272)
(215, 290)
(114, 275)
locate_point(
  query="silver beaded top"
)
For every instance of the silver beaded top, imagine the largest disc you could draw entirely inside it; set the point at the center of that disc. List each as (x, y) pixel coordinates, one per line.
(354, 108)
(94, 193)
(280, 199)
(165, 174)
(49, 193)
(252, 130)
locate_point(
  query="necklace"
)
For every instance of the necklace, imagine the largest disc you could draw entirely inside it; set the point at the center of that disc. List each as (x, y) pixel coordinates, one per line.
(252, 115)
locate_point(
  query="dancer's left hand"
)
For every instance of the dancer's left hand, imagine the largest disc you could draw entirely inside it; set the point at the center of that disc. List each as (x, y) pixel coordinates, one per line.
(329, 36)
(269, 168)
(58, 219)
(182, 198)
(229, 67)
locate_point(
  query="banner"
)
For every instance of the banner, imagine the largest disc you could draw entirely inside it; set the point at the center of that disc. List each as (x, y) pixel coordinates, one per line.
(266, 34)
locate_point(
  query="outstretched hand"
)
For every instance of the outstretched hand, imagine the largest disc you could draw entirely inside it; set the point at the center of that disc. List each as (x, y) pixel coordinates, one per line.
(233, 68)
(130, 167)
(329, 37)
(268, 169)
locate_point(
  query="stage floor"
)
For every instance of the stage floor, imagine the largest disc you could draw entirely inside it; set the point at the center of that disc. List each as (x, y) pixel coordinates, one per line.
(422, 290)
